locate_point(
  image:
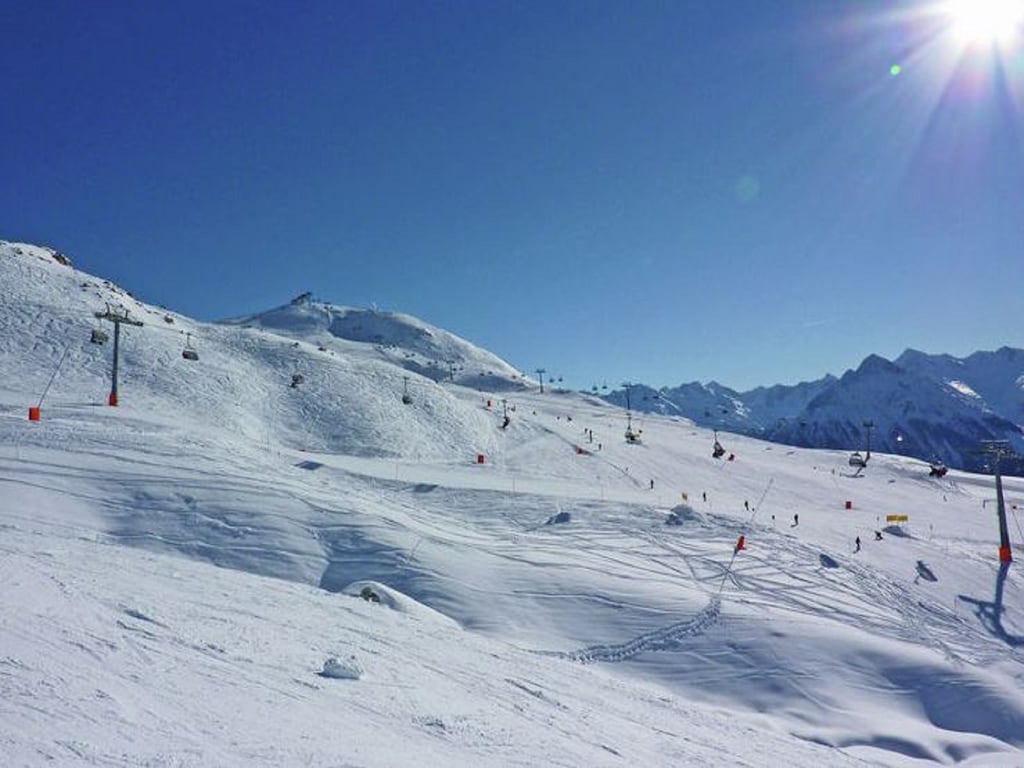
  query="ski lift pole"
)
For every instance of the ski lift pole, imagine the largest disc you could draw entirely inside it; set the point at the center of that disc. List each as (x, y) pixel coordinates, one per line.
(997, 450)
(1005, 554)
(116, 319)
(112, 400)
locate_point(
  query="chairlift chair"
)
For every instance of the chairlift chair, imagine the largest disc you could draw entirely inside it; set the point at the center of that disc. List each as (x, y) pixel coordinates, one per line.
(98, 336)
(189, 352)
(632, 435)
(937, 469)
(856, 460)
(717, 450)
(297, 378)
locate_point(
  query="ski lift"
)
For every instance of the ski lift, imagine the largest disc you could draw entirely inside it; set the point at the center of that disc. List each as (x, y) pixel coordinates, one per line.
(717, 451)
(856, 460)
(98, 336)
(937, 469)
(632, 435)
(406, 397)
(189, 352)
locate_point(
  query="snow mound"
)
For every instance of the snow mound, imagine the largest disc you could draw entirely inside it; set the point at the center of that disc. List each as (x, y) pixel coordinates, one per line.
(375, 592)
(684, 513)
(347, 669)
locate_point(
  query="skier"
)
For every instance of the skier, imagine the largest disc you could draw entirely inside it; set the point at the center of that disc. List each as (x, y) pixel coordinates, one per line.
(878, 535)
(652, 485)
(746, 505)
(857, 543)
(796, 519)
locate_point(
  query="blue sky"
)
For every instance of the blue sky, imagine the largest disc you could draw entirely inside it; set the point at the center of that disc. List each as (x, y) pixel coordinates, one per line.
(744, 191)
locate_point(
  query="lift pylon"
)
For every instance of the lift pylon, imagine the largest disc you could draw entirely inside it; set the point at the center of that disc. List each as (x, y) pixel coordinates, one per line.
(118, 319)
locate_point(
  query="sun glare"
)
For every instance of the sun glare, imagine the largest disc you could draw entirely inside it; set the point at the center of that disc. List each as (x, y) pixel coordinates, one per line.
(986, 21)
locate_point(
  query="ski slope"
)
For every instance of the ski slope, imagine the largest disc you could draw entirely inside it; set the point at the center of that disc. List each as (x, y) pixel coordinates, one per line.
(178, 570)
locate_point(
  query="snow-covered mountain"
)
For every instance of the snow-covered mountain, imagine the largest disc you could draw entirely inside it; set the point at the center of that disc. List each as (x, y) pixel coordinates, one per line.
(996, 378)
(914, 413)
(230, 570)
(402, 339)
(706, 404)
(933, 407)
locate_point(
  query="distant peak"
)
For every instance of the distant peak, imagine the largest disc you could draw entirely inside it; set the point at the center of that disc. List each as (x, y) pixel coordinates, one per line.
(877, 364)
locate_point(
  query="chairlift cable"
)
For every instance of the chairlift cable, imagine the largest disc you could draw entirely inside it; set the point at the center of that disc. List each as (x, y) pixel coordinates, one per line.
(728, 568)
(1016, 520)
(53, 376)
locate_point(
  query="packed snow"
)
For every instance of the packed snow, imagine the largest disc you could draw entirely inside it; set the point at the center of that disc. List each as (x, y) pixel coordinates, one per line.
(235, 567)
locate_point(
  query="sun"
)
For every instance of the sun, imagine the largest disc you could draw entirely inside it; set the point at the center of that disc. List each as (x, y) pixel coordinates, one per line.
(986, 22)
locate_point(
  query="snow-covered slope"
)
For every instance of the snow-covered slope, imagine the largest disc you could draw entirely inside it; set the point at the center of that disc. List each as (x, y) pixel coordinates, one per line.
(533, 609)
(402, 339)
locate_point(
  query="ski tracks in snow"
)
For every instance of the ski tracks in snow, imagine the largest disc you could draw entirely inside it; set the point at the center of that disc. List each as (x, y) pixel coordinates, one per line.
(665, 638)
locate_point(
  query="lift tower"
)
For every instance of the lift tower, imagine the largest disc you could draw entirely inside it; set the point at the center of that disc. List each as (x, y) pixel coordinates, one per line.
(996, 451)
(117, 318)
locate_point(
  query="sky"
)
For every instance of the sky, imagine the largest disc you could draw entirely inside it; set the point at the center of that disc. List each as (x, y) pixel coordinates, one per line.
(767, 190)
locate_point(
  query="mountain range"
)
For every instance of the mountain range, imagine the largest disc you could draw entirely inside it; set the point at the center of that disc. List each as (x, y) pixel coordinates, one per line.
(933, 407)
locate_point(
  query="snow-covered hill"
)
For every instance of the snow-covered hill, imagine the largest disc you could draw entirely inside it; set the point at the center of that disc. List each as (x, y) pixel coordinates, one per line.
(404, 340)
(542, 593)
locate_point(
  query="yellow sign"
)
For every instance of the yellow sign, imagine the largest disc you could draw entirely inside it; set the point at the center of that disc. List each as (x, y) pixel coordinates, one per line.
(897, 518)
